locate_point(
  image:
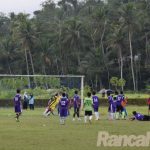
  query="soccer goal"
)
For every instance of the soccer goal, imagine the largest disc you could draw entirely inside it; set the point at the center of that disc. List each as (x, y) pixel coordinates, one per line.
(45, 83)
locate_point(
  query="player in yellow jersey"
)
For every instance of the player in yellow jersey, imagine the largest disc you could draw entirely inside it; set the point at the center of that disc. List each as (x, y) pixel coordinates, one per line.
(52, 105)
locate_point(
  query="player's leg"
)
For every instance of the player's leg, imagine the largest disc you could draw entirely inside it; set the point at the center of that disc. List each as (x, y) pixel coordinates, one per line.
(52, 112)
(125, 110)
(74, 114)
(117, 112)
(18, 112)
(17, 116)
(61, 117)
(95, 112)
(146, 118)
(90, 116)
(58, 109)
(78, 115)
(45, 112)
(109, 112)
(85, 116)
(64, 116)
(30, 105)
(122, 112)
(112, 113)
(62, 120)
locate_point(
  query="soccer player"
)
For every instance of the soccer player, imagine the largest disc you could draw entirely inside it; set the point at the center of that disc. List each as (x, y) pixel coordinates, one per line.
(17, 104)
(52, 105)
(140, 117)
(95, 105)
(120, 105)
(63, 108)
(25, 101)
(31, 102)
(123, 104)
(55, 103)
(88, 106)
(76, 104)
(112, 107)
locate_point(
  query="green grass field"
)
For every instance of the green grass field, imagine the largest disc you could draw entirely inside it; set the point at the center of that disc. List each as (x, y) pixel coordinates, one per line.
(34, 132)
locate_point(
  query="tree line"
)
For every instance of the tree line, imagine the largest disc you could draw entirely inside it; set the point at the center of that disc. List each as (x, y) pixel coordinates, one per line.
(99, 39)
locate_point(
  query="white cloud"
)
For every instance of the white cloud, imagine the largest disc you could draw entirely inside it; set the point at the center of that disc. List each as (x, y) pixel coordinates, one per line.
(27, 6)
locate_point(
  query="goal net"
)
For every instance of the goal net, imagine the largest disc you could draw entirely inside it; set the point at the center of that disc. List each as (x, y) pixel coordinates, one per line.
(41, 86)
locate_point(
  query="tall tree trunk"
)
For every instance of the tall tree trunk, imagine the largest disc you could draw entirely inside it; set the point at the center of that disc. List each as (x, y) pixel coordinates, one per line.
(102, 36)
(32, 65)
(131, 55)
(44, 71)
(136, 73)
(60, 48)
(121, 66)
(9, 66)
(57, 65)
(102, 47)
(146, 50)
(27, 65)
(96, 82)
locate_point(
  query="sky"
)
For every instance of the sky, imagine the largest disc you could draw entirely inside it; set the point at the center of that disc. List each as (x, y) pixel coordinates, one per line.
(26, 6)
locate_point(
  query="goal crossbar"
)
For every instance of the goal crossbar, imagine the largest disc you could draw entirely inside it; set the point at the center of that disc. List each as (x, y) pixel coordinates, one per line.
(37, 75)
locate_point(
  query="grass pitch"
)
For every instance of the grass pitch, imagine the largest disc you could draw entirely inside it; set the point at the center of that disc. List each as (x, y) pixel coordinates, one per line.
(34, 132)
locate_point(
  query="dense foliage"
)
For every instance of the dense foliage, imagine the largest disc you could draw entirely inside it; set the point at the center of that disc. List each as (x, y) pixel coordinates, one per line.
(99, 40)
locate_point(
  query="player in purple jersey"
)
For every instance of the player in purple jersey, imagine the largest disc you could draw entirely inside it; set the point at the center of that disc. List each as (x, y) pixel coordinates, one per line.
(76, 104)
(112, 107)
(140, 117)
(63, 107)
(95, 105)
(120, 110)
(17, 104)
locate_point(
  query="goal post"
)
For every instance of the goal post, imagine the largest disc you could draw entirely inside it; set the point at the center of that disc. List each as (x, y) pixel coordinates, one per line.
(81, 77)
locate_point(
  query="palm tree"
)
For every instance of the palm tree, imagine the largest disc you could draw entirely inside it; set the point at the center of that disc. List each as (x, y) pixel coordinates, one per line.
(74, 37)
(100, 24)
(128, 19)
(23, 32)
(116, 40)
